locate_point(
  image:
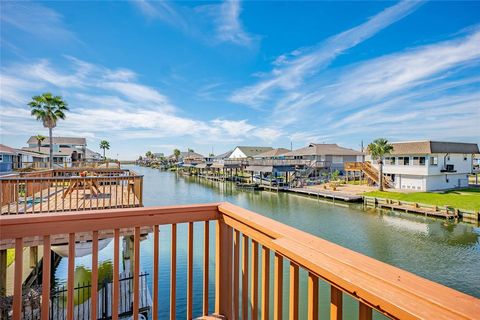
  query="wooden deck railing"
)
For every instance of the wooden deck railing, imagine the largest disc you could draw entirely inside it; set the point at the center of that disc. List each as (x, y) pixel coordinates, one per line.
(245, 244)
(66, 190)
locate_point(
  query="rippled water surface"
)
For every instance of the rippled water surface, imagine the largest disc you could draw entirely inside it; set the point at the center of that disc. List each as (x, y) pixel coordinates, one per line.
(441, 251)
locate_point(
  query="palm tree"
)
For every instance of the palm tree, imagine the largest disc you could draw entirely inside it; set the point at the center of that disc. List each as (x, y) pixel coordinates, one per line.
(176, 153)
(377, 150)
(49, 109)
(40, 139)
(105, 145)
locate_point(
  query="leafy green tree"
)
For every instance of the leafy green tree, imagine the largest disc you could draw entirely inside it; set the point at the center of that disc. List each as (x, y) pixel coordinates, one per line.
(190, 150)
(40, 139)
(49, 109)
(105, 145)
(377, 150)
(149, 154)
(176, 153)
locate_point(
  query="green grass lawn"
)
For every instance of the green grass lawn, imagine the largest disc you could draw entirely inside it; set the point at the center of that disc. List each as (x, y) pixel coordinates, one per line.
(468, 198)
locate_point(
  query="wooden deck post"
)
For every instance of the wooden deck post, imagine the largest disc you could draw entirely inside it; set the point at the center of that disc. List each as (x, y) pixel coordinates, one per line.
(223, 269)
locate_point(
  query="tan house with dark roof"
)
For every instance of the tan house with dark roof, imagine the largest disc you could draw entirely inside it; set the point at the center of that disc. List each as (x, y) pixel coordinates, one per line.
(429, 165)
(327, 155)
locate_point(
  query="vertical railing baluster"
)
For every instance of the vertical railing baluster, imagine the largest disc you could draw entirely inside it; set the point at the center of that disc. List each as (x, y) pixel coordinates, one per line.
(25, 196)
(71, 275)
(116, 281)
(17, 284)
(122, 182)
(41, 195)
(254, 285)
(46, 277)
(173, 273)
(136, 272)
(206, 265)
(17, 195)
(336, 305)
(56, 194)
(190, 271)
(128, 193)
(265, 283)
(244, 277)
(293, 307)
(223, 269)
(94, 274)
(278, 288)
(312, 296)
(236, 274)
(364, 311)
(156, 250)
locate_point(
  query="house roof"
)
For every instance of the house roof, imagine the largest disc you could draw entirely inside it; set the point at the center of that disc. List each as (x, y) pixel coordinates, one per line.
(427, 147)
(46, 150)
(273, 153)
(316, 149)
(7, 150)
(224, 155)
(253, 151)
(60, 140)
(32, 153)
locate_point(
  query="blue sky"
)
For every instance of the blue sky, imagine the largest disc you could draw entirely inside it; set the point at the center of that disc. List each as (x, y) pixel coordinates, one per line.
(212, 75)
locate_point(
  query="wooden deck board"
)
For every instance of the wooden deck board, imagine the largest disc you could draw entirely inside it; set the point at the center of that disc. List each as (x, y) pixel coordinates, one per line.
(52, 200)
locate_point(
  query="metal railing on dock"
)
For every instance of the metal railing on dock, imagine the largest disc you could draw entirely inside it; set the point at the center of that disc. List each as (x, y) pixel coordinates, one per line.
(245, 245)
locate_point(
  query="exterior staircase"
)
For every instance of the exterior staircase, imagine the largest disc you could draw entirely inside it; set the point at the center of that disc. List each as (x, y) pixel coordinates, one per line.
(369, 171)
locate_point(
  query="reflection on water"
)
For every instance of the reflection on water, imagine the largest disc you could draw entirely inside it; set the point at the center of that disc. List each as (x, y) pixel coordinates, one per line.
(442, 251)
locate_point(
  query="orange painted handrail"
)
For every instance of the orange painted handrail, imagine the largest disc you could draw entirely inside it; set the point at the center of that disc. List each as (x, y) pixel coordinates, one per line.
(391, 291)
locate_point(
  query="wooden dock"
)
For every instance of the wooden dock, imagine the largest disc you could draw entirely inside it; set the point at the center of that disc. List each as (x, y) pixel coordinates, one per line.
(335, 195)
(411, 207)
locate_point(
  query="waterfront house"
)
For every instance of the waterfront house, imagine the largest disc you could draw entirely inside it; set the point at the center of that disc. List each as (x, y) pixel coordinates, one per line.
(65, 149)
(326, 156)
(31, 159)
(243, 152)
(429, 165)
(7, 158)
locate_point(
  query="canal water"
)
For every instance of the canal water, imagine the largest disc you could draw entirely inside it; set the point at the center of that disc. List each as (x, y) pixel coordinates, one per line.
(445, 252)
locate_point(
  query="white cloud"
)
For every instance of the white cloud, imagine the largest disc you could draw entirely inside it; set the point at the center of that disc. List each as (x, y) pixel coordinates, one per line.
(34, 19)
(223, 20)
(292, 69)
(102, 105)
(229, 28)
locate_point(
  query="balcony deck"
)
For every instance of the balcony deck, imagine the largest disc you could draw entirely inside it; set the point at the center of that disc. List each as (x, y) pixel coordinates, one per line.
(66, 190)
(245, 243)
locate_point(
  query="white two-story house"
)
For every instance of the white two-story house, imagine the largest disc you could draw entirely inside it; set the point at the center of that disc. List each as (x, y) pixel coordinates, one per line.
(429, 165)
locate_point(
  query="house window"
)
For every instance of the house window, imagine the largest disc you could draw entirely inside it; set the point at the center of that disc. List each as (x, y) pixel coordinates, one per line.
(419, 161)
(1, 157)
(404, 161)
(433, 161)
(389, 160)
(337, 159)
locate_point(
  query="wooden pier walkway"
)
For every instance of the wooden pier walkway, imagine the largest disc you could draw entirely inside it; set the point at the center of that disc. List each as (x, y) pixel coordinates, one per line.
(335, 195)
(411, 207)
